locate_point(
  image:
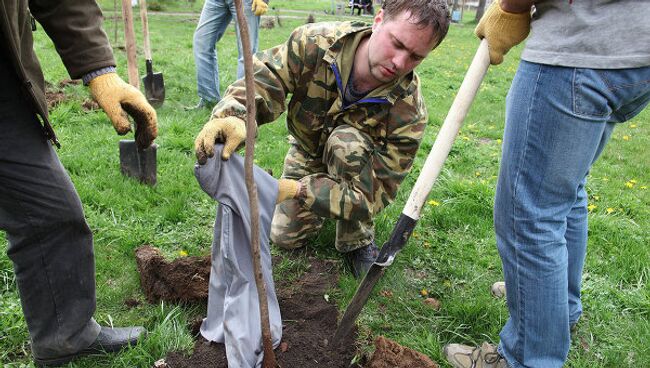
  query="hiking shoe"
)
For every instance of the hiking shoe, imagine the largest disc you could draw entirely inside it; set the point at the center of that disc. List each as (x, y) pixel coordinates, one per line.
(498, 289)
(484, 356)
(361, 259)
(202, 104)
(109, 340)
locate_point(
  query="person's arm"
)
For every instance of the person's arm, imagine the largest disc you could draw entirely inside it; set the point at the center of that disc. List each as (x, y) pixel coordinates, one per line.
(276, 73)
(75, 29)
(505, 24)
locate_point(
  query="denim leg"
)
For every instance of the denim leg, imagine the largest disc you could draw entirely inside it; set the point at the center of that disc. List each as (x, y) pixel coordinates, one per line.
(253, 23)
(215, 17)
(558, 120)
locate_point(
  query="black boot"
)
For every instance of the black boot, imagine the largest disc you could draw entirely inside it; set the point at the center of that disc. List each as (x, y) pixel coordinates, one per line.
(361, 259)
(109, 340)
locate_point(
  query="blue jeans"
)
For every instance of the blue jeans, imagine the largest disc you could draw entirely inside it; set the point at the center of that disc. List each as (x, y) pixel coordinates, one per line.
(558, 121)
(215, 17)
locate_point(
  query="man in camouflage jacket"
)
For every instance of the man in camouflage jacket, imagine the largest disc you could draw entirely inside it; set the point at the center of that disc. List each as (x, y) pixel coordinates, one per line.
(356, 118)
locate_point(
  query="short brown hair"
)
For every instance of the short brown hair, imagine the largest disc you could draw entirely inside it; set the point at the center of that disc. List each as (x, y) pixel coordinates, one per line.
(424, 13)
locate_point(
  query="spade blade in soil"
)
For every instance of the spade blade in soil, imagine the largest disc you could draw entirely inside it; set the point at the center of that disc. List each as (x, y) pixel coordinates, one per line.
(154, 86)
(398, 238)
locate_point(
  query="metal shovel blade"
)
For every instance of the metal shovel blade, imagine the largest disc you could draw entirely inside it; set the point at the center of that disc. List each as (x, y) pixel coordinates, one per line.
(154, 86)
(137, 163)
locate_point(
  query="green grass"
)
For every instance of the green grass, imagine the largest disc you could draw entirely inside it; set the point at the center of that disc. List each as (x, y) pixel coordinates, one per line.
(452, 253)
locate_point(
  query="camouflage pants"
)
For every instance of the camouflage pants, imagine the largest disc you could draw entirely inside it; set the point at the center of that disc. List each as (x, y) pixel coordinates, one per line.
(347, 157)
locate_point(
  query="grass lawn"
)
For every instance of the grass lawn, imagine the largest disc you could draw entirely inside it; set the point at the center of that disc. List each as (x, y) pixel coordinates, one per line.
(451, 256)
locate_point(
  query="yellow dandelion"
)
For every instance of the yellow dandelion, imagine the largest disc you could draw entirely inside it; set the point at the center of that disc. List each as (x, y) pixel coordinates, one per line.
(626, 137)
(182, 253)
(499, 141)
(610, 210)
(434, 203)
(477, 173)
(591, 207)
(424, 292)
(629, 184)
(633, 125)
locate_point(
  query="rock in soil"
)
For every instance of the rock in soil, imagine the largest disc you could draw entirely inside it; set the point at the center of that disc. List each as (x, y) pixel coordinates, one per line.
(309, 323)
(389, 354)
(182, 280)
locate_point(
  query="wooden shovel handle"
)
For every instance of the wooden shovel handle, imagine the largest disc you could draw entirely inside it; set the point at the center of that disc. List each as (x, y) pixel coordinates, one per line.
(145, 29)
(129, 40)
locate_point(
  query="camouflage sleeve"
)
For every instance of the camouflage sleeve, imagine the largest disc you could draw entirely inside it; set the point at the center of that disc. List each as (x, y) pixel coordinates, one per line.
(276, 72)
(366, 185)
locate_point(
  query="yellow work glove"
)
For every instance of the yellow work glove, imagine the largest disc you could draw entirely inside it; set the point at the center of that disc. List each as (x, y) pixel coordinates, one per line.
(502, 30)
(259, 7)
(117, 99)
(287, 189)
(230, 131)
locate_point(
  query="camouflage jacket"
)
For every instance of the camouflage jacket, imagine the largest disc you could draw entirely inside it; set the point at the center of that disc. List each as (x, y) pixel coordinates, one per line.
(313, 66)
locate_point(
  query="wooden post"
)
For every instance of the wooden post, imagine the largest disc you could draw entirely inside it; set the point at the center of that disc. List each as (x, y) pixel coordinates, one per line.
(129, 40)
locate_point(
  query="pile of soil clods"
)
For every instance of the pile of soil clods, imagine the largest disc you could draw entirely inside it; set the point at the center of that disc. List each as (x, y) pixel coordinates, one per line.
(389, 354)
(309, 324)
(182, 280)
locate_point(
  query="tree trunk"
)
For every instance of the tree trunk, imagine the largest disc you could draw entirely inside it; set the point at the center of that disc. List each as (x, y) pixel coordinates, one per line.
(480, 10)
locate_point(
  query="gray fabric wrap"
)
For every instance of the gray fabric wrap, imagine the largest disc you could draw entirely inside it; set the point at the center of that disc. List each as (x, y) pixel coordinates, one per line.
(233, 308)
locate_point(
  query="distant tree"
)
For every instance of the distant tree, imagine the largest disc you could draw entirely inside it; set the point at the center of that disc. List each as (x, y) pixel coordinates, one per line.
(480, 9)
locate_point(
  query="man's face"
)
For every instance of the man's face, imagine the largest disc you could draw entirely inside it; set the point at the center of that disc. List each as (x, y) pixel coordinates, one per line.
(397, 46)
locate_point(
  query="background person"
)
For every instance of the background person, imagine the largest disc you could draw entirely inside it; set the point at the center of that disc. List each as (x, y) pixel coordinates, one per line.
(215, 18)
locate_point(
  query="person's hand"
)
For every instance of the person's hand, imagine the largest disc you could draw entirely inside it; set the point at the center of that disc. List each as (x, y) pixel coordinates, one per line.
(230, 131)
(117, 99)
(502, 30)
(259, 7)
(287, 189)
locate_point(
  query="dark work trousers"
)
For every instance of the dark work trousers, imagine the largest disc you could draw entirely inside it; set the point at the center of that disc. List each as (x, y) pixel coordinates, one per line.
(233, 304)
(50, 243)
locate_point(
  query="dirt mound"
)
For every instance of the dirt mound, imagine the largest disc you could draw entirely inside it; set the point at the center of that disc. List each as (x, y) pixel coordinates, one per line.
(182, 280)
(389, 354)
(309, 323)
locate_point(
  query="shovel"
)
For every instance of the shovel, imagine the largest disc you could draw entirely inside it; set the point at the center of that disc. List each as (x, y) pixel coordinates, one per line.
(430, 171)
(154, 85)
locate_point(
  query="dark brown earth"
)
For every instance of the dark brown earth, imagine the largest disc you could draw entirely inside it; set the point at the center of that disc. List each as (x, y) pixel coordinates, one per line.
(182, 280)
(309, 317)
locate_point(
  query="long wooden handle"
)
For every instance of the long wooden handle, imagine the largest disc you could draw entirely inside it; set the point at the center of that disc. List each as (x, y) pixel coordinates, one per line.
(448, 132)
(145, 29)
(129, 40)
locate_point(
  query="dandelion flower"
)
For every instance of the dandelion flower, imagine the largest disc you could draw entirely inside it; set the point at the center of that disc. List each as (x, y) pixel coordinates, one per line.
(434, 203)
(182, 253)
(591, 207)
(626, 137)
(610, 210)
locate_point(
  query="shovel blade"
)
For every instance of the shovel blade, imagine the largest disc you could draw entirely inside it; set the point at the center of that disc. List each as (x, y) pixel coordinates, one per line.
(137, 163)
(154, 86)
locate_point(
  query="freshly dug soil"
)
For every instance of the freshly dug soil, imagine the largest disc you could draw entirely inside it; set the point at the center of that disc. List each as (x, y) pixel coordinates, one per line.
(389, 354)
(309, 323)
(182, 280)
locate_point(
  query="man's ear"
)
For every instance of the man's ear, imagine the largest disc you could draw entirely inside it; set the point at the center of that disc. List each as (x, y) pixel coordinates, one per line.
(379, 18)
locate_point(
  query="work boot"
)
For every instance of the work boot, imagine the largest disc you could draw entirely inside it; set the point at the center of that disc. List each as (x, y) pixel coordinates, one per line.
(484, 356)
(498, 289)
(203, 104)
(361, 259)
(109, 340)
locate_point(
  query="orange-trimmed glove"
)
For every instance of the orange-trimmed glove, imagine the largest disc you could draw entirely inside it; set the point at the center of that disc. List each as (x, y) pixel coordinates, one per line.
(259, 7)
(287, 189)
(118, 98)
(502, 30)
(230, 131)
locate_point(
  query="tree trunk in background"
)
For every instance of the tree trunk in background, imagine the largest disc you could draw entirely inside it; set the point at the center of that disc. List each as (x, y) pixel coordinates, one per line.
(480, 10)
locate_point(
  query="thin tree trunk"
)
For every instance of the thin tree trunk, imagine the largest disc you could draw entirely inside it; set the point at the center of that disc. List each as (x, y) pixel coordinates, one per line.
(251, 128)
